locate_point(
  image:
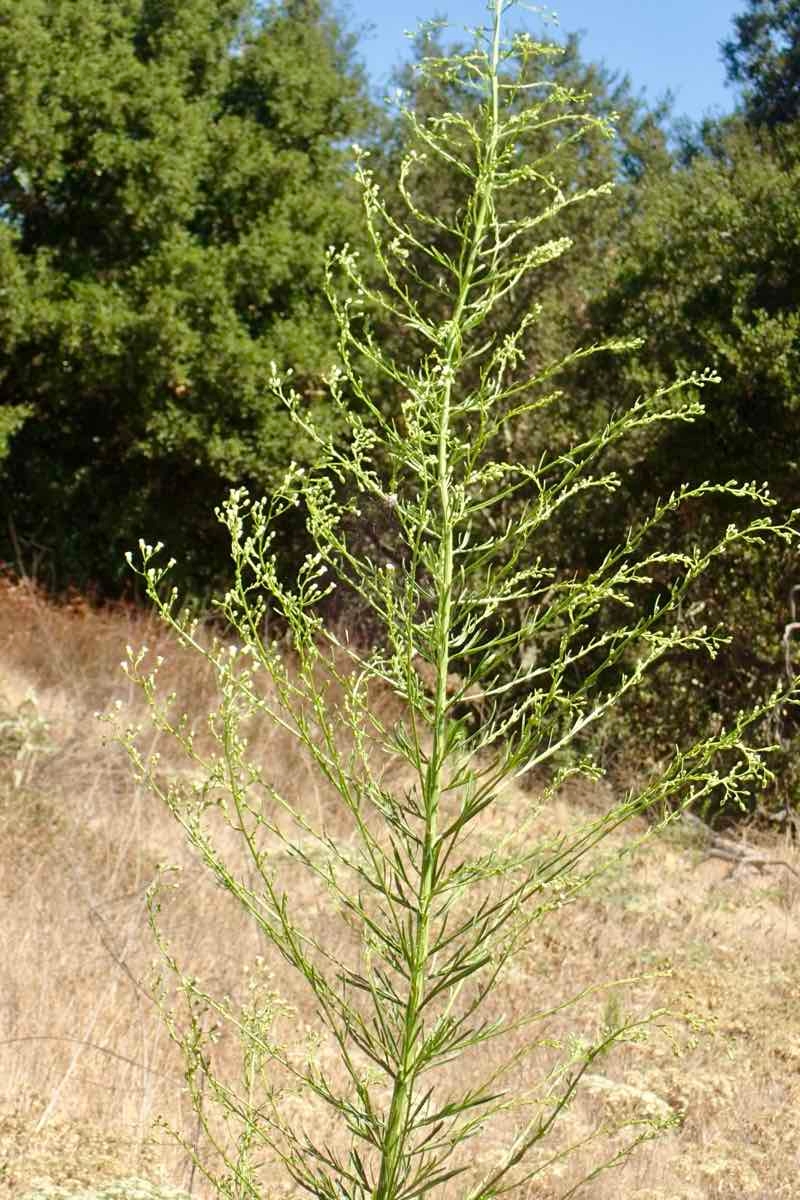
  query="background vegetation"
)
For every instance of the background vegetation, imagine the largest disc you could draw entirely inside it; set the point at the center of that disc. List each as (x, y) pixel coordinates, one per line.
(170, 177)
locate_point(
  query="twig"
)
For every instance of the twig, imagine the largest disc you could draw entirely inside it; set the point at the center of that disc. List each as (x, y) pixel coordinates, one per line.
(729, 850)
(50, 1037)
(783, 816)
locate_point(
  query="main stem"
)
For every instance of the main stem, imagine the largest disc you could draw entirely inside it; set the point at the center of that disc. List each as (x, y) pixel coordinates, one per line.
(397, 1126)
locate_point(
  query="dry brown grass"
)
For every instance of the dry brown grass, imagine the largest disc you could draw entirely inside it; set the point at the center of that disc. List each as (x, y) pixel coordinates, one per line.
(85, 1063)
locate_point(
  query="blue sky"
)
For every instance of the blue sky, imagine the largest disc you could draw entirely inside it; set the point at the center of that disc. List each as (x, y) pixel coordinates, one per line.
(661, 44)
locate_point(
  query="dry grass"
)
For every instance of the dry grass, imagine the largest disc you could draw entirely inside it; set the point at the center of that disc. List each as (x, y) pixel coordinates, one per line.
(85, 1063)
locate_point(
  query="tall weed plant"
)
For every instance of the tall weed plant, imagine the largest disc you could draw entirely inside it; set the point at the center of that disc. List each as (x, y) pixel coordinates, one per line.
(424, 899)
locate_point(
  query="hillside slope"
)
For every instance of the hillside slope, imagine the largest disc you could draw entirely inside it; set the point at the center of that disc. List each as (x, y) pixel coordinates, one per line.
(86, 1064)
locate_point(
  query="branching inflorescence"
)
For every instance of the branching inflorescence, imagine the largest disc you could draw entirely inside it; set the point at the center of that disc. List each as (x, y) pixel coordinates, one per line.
(470, 613)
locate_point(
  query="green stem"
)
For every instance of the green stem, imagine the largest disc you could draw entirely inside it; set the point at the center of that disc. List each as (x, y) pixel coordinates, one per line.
(397, 1129)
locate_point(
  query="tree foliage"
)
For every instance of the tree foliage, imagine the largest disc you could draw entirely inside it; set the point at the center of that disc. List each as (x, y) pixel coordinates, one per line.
(709, 273)
(763, 57)
(171, 174)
